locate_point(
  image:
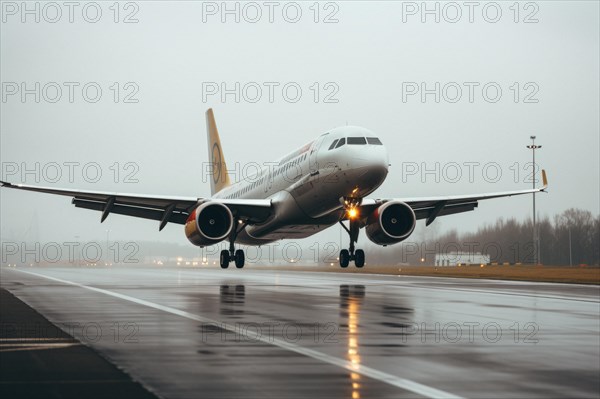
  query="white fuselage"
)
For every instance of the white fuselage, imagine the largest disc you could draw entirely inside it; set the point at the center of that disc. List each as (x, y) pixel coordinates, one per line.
(307, 185)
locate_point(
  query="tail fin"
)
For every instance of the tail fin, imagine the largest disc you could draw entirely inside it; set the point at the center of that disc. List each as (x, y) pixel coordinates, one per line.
(219, 176)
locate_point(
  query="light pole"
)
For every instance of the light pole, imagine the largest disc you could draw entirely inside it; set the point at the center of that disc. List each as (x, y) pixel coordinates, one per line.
(78, 252)
(570, 249)
(534, 147)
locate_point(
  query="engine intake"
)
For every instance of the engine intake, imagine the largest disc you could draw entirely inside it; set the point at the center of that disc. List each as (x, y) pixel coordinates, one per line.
(209, 224)
(391, 223)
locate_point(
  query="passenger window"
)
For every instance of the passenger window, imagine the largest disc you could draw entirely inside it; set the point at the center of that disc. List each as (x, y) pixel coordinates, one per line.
(356, 141)
(333, 144)
(374, 141)
(341, 143)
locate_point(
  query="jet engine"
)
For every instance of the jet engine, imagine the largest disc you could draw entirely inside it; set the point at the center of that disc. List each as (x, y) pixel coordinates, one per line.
(391, 223)
(209, 224)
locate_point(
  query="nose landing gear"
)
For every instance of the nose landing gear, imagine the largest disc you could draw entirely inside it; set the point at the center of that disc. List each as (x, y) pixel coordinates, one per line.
(351, 254)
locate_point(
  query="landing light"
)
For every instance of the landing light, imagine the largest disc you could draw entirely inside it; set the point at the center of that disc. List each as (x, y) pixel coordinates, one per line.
(352, 213)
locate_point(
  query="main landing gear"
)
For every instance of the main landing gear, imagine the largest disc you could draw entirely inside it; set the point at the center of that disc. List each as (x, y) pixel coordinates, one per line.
(348, 255)
(233, 255)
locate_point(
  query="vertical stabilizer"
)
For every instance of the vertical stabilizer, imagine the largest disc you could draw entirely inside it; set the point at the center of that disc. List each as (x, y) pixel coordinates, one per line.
(218, 168)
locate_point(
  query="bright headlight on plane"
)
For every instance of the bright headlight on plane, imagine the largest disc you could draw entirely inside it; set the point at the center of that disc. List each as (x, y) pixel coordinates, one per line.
(352, 213)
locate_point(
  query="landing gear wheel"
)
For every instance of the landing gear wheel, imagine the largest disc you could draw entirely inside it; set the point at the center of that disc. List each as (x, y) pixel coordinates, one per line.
(344, 258)
(359, 258)
(239, 258)
(224, 259)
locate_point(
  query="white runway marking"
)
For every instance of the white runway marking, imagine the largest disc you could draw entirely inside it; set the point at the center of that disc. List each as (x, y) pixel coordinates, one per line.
(390, 379)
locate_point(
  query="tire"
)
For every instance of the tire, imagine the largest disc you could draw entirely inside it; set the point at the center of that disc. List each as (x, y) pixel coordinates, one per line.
(359, 258)
(224, 259)
(239, 258)
(344, 258)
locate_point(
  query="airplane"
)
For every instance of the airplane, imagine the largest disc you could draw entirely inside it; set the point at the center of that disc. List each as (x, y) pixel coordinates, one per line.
(322, 183)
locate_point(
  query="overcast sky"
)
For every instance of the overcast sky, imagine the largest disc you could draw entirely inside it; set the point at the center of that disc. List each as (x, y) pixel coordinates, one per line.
(370, 64)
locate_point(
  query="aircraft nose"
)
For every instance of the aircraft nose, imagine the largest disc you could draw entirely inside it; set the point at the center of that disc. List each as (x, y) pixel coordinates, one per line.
(371, 163)
(375, 157)
(373, 175)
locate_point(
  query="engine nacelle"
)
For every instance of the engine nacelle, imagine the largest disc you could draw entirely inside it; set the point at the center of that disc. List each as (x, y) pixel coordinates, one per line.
(391, 223)
(209, 224)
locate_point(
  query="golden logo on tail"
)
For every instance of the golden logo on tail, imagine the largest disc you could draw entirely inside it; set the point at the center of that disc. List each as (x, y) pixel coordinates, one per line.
(218, 168)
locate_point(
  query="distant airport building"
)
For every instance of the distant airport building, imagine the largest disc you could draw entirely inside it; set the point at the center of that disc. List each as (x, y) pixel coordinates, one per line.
(461, 258)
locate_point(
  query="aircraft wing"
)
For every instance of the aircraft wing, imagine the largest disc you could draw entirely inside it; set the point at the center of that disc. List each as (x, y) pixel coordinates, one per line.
(431, 207)
(163, 208)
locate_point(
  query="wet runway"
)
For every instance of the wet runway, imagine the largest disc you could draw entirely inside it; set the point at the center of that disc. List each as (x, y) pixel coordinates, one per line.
(215, 333)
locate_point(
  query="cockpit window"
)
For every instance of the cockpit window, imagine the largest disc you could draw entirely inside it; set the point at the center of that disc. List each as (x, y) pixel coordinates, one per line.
(357, 140)
(341, 142)
(374, 141)
(333, 144)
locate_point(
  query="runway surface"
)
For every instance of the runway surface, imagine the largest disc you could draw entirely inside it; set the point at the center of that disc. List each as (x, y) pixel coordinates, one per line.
(215, 333)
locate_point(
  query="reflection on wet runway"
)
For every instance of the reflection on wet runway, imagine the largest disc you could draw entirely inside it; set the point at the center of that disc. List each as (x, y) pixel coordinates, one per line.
(286, 334)
(232, 299)
(350, 300)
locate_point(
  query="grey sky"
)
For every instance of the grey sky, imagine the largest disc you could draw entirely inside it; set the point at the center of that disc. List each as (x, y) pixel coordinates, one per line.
(370, 54)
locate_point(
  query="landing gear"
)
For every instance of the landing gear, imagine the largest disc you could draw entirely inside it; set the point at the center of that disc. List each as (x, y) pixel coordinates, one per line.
(359, 258)
(348, 255)
(231, 255)
(224, 259)
(239, 258)
(344, 258)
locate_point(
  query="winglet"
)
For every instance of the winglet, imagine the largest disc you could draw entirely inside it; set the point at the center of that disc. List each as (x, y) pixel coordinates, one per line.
(544, 180)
